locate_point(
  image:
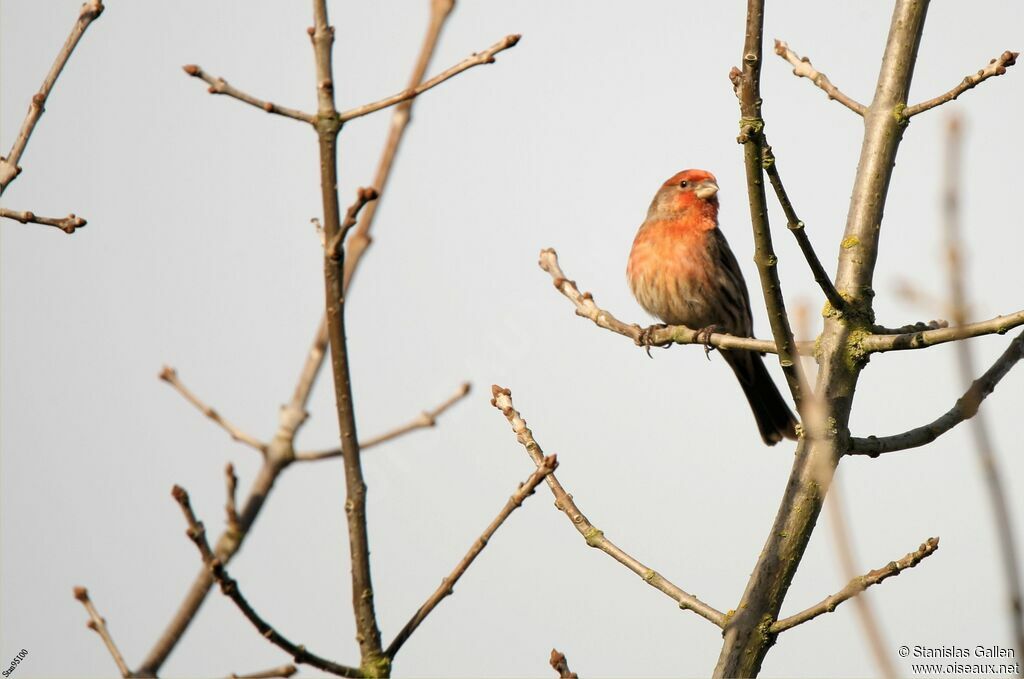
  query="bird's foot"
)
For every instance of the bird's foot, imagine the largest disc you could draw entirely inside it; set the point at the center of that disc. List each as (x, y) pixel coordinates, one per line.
(704, 337)
(646, 340)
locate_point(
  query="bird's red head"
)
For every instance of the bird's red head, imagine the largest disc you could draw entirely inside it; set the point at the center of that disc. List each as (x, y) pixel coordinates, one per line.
(685, 191)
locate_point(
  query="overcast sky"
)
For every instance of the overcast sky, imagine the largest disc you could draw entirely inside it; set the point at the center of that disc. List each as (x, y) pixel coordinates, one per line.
(199, 253)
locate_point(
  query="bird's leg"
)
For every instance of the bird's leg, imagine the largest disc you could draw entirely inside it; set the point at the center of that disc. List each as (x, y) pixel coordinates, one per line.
(704, 337)
(645, 339)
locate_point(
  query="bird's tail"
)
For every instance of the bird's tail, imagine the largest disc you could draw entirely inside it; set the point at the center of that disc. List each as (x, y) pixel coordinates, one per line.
(775, 420)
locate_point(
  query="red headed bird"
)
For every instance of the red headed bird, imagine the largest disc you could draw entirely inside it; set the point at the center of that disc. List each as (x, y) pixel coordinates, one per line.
(682, 271)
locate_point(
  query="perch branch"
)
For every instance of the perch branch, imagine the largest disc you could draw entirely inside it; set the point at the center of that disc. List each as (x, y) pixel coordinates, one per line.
(802, 68)
(659, 336)
(485, 57)
(858, 585)
(9, 168)
(447, 587)
(594, 537)
(799, 231)
(928, 338)
(170, 375)
(965, 408)
(221, 86)
(66, 224)
(99, 625)
(426, 419)
(995, 67)
(197, 533)
(561, 665)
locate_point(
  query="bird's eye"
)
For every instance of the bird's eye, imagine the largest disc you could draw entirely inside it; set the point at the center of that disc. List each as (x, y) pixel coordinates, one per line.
(683, 184)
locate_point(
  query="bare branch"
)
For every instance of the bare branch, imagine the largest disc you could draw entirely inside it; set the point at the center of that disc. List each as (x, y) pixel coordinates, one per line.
(594, 537)
(197, 533)
(9, 169)
(929, 338)
(754, 146)
(561, 665)
(280, 454)
(221, 86)
(284, 671)
(657, 336)
(745, 640)
(797, 228)
(920, 326)
(995, 67)
(802, 68)
(426, 419)
(328, 124)
(363, 196)
(858, 585)
(485, 57)
(447, 587)
(66, 224)
(965, 408)
(99, 625)
(231, 508)
(400, 119)
(170, 375)
(988, 460)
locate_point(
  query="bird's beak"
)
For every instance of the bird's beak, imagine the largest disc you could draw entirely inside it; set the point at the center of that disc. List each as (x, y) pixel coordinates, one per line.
(706, 189)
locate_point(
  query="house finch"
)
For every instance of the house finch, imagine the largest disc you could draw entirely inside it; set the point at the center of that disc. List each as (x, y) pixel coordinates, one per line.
(682, 271)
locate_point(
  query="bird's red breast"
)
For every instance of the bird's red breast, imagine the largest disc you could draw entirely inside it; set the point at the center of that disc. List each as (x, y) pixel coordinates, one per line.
(671, 267)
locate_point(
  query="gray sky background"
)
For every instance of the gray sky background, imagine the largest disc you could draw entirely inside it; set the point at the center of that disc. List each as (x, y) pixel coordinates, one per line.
(199, 253)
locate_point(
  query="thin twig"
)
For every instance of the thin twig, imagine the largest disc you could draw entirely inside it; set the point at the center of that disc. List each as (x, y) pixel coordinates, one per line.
(99, 625)
(561, 665)
(595, 537)
(221, 86)
(284, 671)
(197, 533)
(983, 445)
(657, 336)
(328, 124)
(447, 587)
(485, 57)
(746, 642)
(965, 408)
(281, 452)
(754, 145)
(66, 224)
(170, 375)
(929, 338)
(799, 231)
(802, 68)
(363, 196)
(920, 326)
(9, 168)
(858, 585)
(400, 119)
(425, 419)
(231, 508)
(995, 67)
